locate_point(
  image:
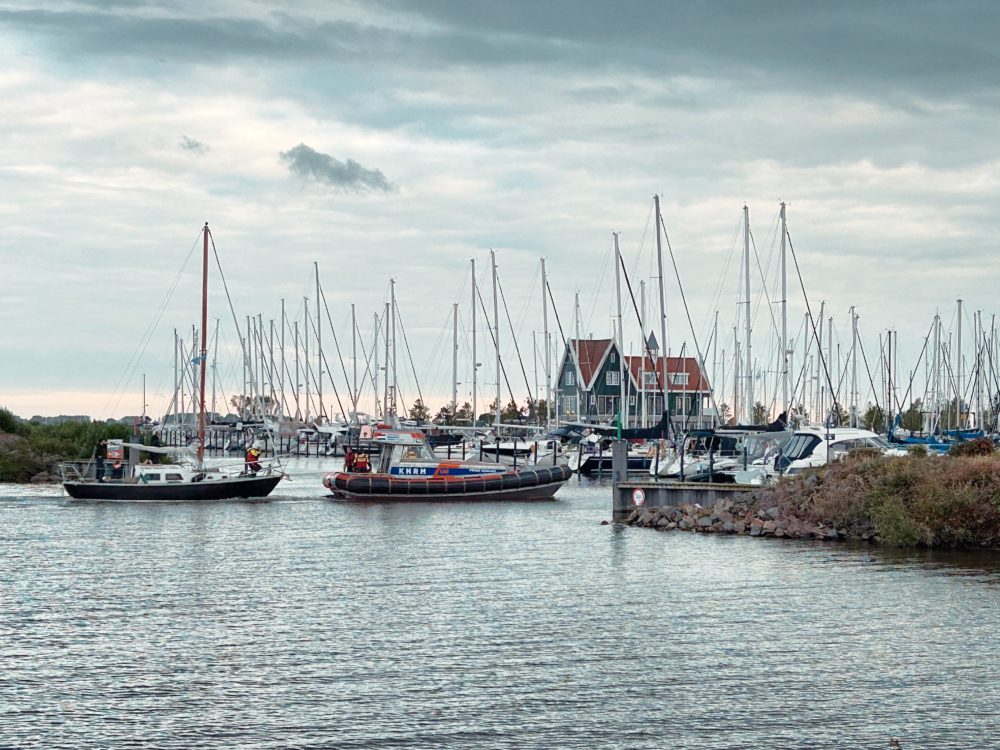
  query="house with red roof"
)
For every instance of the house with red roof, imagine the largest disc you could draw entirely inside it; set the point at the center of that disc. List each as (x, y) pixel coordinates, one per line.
(590, 376)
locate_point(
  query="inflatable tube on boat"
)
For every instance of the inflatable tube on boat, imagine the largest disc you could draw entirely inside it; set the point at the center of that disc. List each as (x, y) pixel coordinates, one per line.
(385, 485)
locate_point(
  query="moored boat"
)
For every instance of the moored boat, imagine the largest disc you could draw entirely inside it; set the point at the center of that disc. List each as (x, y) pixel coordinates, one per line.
(408, 469)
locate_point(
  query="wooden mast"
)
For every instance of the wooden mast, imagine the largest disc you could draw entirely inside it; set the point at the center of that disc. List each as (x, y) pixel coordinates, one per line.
(203, 354)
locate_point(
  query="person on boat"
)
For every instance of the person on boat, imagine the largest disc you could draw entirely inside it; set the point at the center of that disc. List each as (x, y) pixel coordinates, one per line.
(362, 463)
(100, 454)
(350, 459)
(253, 459)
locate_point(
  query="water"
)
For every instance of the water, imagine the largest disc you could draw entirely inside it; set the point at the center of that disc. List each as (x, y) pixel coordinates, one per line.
(310, 624)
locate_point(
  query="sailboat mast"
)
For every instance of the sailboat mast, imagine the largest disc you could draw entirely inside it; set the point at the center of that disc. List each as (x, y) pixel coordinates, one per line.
(786, 399)
(642, 365)
(622, 410)
(748, 400)
(475, 365)
(354, 360)
(395, 383)
(854, 368)
(454, 361)
(545, 343)
(663, 311)
(321, 410)
(203, 353)
(496, 329)
(958, 372)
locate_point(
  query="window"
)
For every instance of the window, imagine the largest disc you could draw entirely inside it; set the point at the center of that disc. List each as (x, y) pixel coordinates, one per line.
(569, 405)
(613, 360)
(631, 400)
(679, 378)
(607, 405)
(649, 378)
(570, 377)
(173, 477)
(612, 377)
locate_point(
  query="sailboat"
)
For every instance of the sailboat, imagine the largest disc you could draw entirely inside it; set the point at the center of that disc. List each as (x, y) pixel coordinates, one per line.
(131, 481)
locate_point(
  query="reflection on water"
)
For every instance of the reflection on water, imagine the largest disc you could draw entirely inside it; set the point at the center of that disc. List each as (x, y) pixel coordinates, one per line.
(307, 623)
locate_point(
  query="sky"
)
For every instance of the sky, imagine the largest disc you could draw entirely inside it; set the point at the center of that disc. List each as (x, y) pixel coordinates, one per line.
(387, 139)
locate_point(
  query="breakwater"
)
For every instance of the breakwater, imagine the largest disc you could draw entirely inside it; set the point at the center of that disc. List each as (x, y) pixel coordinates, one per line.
(912, 501)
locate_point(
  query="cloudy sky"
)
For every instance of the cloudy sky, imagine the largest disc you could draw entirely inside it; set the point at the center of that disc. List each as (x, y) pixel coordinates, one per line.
(386, 139)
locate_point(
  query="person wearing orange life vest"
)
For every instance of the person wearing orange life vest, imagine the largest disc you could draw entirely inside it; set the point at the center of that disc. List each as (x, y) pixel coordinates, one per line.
(350, 459)
(361, 462)
(253, 459)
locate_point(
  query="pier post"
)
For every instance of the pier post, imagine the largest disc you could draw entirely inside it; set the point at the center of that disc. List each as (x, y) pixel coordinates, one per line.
(619, 474)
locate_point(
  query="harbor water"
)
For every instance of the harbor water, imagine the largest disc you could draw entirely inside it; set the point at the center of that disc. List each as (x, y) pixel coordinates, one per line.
(307, 623)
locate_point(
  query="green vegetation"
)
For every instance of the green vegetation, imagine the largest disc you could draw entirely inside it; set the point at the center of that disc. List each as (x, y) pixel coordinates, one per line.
(27, 448)
(916, 500)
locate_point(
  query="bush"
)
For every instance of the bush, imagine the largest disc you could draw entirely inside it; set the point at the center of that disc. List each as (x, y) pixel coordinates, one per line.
(978, 447)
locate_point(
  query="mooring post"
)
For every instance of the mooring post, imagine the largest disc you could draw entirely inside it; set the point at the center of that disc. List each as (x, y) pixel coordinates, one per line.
(621, 503)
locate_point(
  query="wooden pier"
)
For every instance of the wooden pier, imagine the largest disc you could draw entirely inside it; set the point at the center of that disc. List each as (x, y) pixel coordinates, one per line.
(629, 495)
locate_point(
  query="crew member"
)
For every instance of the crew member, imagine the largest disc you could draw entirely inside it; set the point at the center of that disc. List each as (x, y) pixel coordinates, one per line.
(100, 454)
(350, 459)
(253, 459)
(361, 463)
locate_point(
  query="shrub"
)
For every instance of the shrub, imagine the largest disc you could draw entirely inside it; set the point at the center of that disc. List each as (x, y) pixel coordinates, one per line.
(979, 447)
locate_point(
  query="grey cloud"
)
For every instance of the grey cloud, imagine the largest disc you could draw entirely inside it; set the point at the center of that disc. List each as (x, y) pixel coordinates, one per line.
(349, 176)
(190, 144)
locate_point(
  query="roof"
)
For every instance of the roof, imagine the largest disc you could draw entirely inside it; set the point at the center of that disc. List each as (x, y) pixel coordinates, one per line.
(593, 352)
(696, 380)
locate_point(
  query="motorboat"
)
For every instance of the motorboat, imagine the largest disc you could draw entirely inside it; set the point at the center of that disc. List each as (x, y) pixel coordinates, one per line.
(812, 446)
(408, 469)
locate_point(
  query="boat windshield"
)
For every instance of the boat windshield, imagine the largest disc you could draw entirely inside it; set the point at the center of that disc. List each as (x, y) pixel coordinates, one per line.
(408, 453)
(759, 445)
(877, 441)
(798, 447)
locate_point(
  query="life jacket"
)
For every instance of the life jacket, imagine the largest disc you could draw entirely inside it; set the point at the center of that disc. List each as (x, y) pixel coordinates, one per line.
(361, 462)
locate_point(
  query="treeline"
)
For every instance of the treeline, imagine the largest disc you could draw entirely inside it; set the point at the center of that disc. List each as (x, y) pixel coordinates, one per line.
(29, 448)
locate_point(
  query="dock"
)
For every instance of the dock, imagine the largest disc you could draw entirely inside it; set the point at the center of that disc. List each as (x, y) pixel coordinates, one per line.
(647, 494)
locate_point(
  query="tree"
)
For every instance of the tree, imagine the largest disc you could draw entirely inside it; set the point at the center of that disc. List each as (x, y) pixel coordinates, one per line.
(760, 415)
(874, 417)
(537, 411)
(840, 415)
(511, 412)
(419, 413)
(445, 415)
(254, 406)
(913, 418)
(725, 414)
(464, 413)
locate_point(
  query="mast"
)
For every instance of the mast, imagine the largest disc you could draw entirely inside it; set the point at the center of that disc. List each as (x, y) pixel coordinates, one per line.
(642, 364)
(496, 328)
(281, 369)
(715, 362)
(749, 367)
(354, 359)
(395, 382)
(305, 357)
(321, 411)
(958, 372)
(475, 364)
(545, 343)
(830, 362)
(385, 385)
(622, 406)
(663, 311)
(203, 352)
(454, 362)
(576, 356)
(784, 319)
(854, 368)
(298, 376)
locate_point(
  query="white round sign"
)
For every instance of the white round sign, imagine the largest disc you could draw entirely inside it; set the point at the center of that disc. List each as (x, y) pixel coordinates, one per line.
(638, 496)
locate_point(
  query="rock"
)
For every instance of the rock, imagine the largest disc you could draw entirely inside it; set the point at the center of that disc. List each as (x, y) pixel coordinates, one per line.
(755, 531)
(662, 523)
(704, 522)
(671, 526)
(43, 477)
(728, 526)
(779, 532)
(772, 513)
(739, 527)
(604, 523)
(632, 517)
(811, 481)
(769, 527)
(725, 516)
(832, 534)
(684, 524)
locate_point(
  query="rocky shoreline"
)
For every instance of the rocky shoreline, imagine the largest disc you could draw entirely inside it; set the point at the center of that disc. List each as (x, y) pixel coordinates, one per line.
(911, 501)
(741, 518)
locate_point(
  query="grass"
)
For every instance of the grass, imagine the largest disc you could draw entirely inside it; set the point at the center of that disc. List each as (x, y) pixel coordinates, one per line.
(916, 500)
